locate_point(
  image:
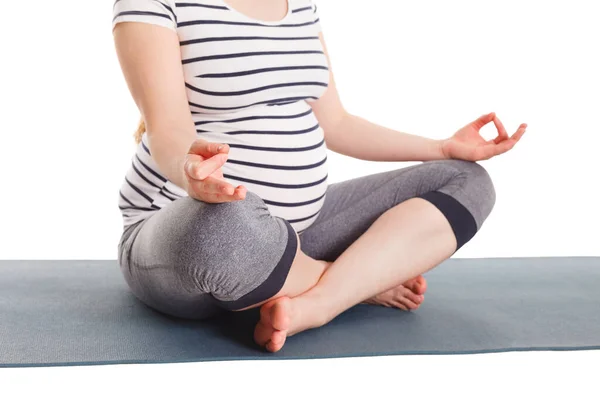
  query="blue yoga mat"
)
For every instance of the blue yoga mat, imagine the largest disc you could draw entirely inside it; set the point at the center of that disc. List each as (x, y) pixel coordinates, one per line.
(55, 313)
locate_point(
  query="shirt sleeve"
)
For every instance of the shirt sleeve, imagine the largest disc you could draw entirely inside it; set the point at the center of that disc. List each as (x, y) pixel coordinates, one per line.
(316, 17)
(157, 12)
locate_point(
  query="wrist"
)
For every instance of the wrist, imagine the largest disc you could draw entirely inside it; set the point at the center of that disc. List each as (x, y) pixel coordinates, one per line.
(181, 168)
(442, 149)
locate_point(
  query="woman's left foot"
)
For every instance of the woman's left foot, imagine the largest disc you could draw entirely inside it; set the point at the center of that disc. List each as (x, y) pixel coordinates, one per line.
(408, 296)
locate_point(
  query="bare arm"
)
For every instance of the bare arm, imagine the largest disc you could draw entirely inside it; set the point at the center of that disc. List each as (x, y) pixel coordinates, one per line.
(356, 137)
(150, 60)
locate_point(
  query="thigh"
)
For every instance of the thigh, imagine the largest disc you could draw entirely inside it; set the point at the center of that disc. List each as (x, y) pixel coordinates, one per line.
(193, 259)
(351, 206)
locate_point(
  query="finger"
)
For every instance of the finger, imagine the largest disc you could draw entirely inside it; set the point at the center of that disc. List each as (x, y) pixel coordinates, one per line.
(240, 192)
(207, 149)
(201, 169)
(505, 146)
(199, 189)
(486, 152)
(484, 120)
(490, 150)
(497, 140)
(519, 133)
(215, 198)
(214, 185)
(502, 135)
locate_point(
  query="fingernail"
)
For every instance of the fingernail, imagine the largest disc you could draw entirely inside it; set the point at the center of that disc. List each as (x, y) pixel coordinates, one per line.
(220, 147)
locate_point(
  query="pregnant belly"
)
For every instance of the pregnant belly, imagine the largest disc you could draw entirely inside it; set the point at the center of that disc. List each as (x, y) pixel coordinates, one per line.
(292, 192)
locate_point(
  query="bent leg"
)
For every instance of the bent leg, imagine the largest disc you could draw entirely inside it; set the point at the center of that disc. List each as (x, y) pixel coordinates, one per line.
(352, 206)
(193, 259)
(410, 238)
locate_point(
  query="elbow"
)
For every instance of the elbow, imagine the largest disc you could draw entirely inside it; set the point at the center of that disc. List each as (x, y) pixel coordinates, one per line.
(333, 124)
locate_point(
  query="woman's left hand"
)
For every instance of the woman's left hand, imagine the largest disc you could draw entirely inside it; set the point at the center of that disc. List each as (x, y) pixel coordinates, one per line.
(468, 144)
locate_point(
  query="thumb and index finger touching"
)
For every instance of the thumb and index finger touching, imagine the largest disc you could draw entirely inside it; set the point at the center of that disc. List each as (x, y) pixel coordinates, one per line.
(207, 149)
(204, 158)
(502, 134)
(203, 167)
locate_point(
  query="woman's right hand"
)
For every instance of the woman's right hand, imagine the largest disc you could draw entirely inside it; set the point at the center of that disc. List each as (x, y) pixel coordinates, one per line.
(204, 176)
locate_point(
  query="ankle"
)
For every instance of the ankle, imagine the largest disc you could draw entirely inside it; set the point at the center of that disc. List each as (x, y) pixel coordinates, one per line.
(311, 309)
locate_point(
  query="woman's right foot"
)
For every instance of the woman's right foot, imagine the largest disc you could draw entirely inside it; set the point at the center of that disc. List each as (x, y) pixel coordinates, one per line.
(271, 330)
(281, 318)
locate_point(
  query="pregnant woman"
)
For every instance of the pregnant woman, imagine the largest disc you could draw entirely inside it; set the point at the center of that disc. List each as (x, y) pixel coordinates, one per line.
(226, 204)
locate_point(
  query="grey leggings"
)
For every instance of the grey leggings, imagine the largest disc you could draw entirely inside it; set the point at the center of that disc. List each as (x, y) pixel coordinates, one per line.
(193, 259)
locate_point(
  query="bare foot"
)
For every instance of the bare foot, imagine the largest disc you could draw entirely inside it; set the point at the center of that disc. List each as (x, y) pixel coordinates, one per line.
(284, 317)
(407, 296)
(275, 317)
(281, 317)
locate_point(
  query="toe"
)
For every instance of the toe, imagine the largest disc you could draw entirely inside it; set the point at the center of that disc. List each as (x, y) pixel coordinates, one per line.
(272, 347)
(411, 305)
(411, 284)
(416, 285)
(265, 312)
(421, 285)
(262, 333)
(277, 341)
(415, 298)
(278, 338)
(280, 314)
(399, 305)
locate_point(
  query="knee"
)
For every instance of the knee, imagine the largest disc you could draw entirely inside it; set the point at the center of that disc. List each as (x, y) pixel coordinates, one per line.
(474, 188)
(227, 249)
(480, 188)
(207, 230)
(205, 219)
(485, 192)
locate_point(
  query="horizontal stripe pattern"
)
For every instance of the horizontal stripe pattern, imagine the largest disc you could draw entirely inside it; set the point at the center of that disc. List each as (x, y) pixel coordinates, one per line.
(158, 12)
(262, 71)
(243, 23)
(241, 38)
(249, 84)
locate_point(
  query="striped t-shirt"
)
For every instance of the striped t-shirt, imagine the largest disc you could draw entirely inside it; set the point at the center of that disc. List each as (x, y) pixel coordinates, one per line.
(248, 84)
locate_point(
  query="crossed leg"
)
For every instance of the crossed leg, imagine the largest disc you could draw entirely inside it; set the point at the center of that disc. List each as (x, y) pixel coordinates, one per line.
(379, 234)
(406, 296)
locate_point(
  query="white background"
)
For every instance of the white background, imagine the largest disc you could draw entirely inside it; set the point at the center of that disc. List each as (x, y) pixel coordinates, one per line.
(424, 67)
